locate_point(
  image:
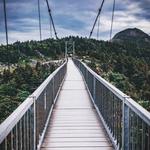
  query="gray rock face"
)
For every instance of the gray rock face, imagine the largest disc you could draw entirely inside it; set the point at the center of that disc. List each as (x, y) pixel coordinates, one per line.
(132, 34)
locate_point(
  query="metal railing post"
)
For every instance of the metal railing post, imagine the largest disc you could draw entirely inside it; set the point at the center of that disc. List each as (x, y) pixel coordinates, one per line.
(34, 144)
(6, 143)
(125, 126)
(28, 142)
(94, 88)
(86, 75)
(20, 128)
(53, 84)
(16, 137)
(24, 130)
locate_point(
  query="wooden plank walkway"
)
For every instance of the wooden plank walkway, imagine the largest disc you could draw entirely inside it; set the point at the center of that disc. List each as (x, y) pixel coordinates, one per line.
(74, 124)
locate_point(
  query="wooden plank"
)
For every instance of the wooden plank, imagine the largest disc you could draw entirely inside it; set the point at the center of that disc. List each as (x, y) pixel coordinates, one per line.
(75, 136)
(78, 148)
(73, 124)
(75, 132)
(71, 85)
(76, 122)
(76, 144)
(75, 117)
(73, 139)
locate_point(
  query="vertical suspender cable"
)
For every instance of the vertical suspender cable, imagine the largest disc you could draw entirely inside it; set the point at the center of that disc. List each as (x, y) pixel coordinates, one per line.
(51, 32)
(49, 10)
(39, 13)
(98, 25)
(99, 12)
(6, 28)
(112, 20)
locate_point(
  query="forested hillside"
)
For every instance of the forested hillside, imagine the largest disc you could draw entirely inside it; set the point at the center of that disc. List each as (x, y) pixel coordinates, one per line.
(125, 64)
(23, 67)
(16, 86)
(25, 50)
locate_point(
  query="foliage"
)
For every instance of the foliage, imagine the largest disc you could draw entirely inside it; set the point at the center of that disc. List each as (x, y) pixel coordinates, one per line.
(124, 64)
(23, 51)
(16, 86)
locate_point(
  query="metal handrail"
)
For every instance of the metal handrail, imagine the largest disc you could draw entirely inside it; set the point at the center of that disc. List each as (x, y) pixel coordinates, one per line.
(111, 87)
(39, 90)
(27, 114)
(138, 109)
(129, 101)
(12, 120)
(124, 119)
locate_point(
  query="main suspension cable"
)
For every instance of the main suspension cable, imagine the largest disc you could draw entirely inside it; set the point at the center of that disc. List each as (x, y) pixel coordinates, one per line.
(49, 10)
(40, 26)
(112, 19)
(99, 12)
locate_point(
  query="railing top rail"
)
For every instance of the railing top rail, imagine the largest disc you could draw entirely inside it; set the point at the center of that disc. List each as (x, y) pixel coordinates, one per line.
(39, 90)
(139, 110)
(12, 120)
(111, 87)
(7, 125)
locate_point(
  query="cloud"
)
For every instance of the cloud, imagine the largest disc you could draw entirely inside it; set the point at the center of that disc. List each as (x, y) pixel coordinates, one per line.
(144, 5)
(71, 18)
(70, 22)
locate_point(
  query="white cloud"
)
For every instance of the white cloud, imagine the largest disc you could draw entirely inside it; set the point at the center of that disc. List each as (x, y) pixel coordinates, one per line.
(83, 11)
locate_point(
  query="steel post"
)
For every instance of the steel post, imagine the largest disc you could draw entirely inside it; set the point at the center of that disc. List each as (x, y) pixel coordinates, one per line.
(34, 144)
(125, 126)
(94, 88)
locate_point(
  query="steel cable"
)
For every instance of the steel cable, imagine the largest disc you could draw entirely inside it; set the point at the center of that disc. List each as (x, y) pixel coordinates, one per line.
(99, 12)
(6, 26)
(39, 14)
(112, 20)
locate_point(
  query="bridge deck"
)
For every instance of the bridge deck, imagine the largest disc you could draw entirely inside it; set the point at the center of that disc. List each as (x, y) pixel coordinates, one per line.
(74, 124)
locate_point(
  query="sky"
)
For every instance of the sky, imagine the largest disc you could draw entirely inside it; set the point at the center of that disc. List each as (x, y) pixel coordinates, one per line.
(72, 17)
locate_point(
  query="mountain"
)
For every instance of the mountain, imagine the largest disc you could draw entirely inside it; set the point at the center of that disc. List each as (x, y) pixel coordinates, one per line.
(132, 35)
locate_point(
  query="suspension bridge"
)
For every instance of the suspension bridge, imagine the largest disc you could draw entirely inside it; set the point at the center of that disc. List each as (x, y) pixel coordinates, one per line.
(76, 109)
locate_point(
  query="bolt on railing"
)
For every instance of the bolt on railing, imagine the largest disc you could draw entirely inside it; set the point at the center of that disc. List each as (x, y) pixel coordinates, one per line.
(126, 122)
(24, 129)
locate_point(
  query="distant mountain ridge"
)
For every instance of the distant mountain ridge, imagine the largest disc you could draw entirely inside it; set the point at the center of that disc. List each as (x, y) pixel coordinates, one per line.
(131, 35)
